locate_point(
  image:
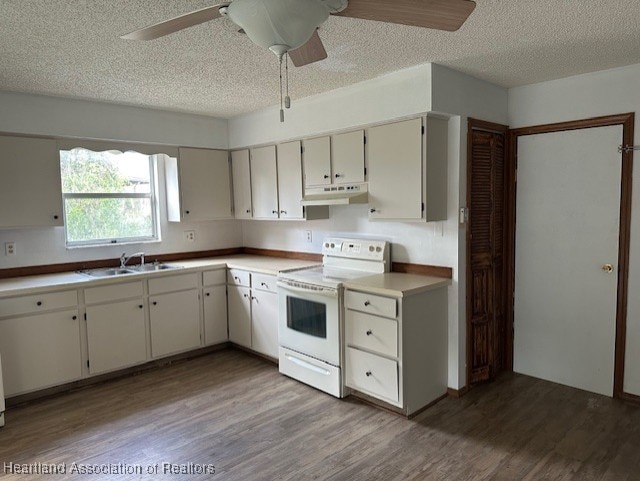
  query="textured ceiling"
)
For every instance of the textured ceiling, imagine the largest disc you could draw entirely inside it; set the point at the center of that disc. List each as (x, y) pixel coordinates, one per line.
(71, 48)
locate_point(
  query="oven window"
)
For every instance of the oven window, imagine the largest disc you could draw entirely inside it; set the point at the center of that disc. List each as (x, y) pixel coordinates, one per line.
(307, 316)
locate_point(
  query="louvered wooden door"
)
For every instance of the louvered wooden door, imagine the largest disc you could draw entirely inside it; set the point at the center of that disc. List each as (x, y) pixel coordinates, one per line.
(485, 284)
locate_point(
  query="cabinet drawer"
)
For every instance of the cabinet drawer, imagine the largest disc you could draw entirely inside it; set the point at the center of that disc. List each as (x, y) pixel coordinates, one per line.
(237, 277)
(263, 282)
(213, 278)
(37, 303)
(372, 333)
(113, 292)
(371, 303)
(173, 283)
(372, 374)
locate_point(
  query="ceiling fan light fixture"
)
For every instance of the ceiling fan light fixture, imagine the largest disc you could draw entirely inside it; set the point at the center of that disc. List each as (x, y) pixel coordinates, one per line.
(278, 24)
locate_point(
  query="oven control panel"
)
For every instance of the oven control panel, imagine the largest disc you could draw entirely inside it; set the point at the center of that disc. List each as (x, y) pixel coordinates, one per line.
(366, 249)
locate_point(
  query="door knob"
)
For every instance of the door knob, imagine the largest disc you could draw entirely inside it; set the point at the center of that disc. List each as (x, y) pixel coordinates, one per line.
(608, 268)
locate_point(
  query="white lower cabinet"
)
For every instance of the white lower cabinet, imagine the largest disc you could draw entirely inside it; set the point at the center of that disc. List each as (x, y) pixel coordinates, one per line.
(214, 298)
(40, 350)
(116, 330)
(396, 347)
(239, 298)
(116, 335)
(175, 322)
(253, 311)
(264, 316)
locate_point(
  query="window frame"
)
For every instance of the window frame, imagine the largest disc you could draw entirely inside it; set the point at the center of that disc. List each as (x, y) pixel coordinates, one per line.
(152, 195)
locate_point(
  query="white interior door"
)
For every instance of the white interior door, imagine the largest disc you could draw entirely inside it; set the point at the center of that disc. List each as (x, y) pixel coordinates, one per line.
(567, 229)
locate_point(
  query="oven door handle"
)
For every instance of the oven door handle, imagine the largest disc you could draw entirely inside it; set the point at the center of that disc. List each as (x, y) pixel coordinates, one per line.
(323, 292)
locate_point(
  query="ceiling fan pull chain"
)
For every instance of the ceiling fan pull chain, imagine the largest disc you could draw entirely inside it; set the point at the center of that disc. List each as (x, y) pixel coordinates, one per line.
(287, 99)
(281, 109)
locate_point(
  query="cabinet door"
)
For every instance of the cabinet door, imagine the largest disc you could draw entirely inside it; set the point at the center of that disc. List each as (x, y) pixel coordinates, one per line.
(215, 315)
(175, 322)
(264, 323)
(317, 162)
(240, 315)
(290, 180)
(116, 335)
(40, 351)
(264, 183)
(241, 184)
(205, 184)
(395, 171)
(347, 156)
(30, 188)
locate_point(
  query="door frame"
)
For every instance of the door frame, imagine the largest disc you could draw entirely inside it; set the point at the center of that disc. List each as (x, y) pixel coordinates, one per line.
(482, 125)
(627, 122)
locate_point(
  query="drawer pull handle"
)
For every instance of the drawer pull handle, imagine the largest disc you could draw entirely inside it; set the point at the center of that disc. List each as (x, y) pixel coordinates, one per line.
(39, 303)
(369, 332)
(368, 373)
(367, 303)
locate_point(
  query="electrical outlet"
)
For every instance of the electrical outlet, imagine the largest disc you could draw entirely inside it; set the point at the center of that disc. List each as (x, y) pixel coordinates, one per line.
(308, 235)
(10, 248)
(190, 235)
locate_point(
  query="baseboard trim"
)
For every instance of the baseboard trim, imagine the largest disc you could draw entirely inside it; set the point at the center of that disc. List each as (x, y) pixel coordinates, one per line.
(457, 393)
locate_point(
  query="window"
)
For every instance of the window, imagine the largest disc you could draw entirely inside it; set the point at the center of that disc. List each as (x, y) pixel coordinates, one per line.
(109, 197)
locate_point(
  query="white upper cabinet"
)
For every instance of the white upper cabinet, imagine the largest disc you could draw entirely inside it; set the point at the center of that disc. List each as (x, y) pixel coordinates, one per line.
(241, 184)
(317, 162)
(347, 157)
(290, 180)
(264, 182)
(338, 159)
(198, 185)
(30, 188)
(408, 174)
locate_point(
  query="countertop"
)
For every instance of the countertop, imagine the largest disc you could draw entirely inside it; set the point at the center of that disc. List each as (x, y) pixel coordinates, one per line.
(397, 284)
(17, 286)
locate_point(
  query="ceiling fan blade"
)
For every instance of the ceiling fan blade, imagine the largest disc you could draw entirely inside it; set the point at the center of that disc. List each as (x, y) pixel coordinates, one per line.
(312, 51)
(176, 24)
(437, 14)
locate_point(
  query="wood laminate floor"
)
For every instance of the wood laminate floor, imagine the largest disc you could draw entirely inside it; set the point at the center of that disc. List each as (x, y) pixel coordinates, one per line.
(238, 413)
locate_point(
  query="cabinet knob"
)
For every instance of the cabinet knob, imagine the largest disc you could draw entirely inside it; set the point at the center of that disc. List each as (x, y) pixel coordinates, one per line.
(55, 217)
(369, 332)
(186, 212)
(372, 211)
(74, 318)
(274, 212)
(368, 373)
(39, 303)
(264, 284)
(326, 176)
(253, 298)
(338, 176)
(246, 296)
(207, 294)
(367, 303)
(283, 211)
(140, 306)
(155, 303)
(248, 211)
(236, 278)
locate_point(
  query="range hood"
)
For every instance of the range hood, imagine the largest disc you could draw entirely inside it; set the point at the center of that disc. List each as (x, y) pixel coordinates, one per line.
(336, 195)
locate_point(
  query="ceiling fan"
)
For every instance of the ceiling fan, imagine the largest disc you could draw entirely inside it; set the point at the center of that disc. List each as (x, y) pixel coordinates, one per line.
(289, 27)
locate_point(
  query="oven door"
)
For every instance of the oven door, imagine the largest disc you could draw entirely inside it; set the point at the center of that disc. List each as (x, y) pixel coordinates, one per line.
(309, 320)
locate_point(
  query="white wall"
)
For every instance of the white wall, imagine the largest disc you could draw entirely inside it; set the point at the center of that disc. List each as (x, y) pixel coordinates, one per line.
(601, 93)
(36, 114)
(406, 93)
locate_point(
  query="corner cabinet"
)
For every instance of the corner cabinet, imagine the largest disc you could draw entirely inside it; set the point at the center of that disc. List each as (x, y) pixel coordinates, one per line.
(241, 173)
(30, 186)
(198, 185)
(407, 170)
(396, 347)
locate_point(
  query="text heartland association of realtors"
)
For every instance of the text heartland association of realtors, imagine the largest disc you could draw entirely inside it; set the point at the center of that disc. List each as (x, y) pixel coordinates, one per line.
(108, 468)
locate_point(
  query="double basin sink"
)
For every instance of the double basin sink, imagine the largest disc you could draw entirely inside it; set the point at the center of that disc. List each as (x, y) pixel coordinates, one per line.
(123, 271)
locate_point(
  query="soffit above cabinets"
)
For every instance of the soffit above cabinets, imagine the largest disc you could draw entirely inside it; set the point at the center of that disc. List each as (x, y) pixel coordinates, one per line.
(73, 49)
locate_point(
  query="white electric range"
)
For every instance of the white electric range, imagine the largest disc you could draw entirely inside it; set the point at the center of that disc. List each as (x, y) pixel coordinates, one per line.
(310, 329)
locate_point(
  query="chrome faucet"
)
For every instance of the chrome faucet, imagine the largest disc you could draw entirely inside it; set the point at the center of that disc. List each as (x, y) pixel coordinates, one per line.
(124, 258)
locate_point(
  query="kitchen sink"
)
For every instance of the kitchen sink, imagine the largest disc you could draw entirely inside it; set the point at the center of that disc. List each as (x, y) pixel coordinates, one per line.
(108, 272)
(151, 267)
(119, 271)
